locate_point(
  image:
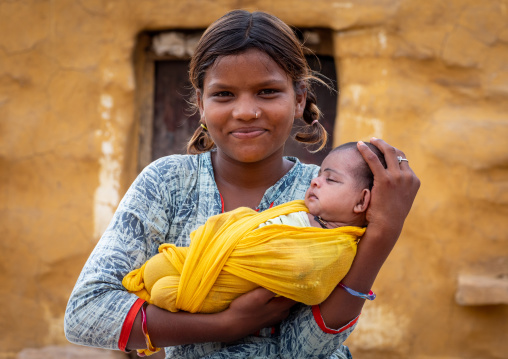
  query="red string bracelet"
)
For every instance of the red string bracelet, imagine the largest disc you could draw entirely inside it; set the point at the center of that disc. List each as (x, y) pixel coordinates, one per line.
(144, 328)
(370, 296)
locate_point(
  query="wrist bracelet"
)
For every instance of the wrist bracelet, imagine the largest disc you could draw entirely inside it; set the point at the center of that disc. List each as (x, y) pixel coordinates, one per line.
(144, 328)
(370, 296)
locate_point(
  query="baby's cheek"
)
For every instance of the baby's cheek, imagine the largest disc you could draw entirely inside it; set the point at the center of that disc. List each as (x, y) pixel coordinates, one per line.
(307, 202)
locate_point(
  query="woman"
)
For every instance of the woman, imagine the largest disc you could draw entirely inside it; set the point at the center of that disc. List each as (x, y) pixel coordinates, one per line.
(251, 81)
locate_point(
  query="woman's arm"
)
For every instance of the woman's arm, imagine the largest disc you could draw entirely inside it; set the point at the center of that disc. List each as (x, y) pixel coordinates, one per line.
(393, 194)
(99, 303)
(99, 312)
(247, 314)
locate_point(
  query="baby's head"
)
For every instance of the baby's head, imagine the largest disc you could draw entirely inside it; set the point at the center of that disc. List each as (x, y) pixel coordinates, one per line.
(340, 195)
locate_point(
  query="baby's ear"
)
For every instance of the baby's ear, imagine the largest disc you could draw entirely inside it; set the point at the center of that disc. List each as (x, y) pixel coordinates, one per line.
(363, 202)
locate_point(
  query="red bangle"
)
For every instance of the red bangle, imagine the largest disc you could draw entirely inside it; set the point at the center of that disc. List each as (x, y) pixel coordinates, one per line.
(144, 328)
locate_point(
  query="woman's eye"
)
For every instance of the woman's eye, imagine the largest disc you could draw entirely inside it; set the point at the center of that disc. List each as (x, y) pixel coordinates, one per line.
(222, 94)
(268, 92)
(330, 180)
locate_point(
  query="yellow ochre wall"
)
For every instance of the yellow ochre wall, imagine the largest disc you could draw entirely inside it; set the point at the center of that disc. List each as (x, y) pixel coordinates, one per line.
(430, 77)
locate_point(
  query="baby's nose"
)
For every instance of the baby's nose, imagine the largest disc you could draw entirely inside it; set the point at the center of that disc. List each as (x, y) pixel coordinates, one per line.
(315, 182)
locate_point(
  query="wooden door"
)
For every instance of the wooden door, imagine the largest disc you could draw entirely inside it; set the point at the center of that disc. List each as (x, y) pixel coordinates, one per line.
(173, 123)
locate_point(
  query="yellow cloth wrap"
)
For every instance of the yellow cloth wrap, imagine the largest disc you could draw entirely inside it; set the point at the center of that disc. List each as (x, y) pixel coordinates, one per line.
(147, 352)
(229, 256)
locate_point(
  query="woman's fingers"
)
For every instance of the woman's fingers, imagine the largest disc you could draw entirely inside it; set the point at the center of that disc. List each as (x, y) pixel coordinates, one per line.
(371, 159)
(395, 159)
(390, 153)
(261, 297)
(258, 309)
(394, 188)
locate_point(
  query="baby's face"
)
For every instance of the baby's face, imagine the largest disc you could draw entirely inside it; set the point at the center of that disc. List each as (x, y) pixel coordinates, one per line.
(335, 192)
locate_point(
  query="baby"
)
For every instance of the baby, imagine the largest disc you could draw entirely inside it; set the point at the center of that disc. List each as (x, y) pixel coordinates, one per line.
(340, 195)
(300, 250)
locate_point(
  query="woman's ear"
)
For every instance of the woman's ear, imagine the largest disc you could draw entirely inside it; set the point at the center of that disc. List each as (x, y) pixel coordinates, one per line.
(363, 203)
(301, 99)
(199, 100)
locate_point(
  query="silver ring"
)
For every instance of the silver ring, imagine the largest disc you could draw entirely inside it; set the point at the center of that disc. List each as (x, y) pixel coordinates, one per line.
(400, 159)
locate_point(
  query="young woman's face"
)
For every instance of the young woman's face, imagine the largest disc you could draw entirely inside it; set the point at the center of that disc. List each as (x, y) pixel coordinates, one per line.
(237, 87)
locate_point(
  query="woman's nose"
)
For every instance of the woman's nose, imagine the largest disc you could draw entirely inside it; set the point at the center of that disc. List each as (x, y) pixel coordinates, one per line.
(245, 109)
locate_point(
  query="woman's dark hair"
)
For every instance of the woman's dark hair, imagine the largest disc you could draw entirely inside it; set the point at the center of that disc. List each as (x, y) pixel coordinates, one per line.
(363, 173)
(238, 31)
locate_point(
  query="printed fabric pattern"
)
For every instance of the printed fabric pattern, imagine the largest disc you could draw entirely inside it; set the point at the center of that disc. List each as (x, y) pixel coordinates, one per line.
(169, 199)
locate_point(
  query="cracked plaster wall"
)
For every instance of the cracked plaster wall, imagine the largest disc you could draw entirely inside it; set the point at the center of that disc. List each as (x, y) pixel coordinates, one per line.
(429, 77)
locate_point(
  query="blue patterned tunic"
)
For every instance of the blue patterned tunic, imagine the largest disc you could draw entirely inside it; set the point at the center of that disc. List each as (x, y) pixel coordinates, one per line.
(169, 199)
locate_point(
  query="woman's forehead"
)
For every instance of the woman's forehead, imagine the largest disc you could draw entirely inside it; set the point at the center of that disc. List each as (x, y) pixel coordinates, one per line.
(253, 61)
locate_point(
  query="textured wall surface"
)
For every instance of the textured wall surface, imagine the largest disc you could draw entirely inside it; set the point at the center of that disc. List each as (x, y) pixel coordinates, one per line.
(430, 77)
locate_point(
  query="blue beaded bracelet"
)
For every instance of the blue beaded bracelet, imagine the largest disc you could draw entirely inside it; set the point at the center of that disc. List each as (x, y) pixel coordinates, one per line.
(370, 296)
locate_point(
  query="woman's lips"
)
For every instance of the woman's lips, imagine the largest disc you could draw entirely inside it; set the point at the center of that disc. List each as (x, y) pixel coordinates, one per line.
(246, 133)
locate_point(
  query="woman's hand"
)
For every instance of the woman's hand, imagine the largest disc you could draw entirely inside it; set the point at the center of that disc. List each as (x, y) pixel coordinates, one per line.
(394, 189)
(246, 314)
(392, 196)
(256, 310)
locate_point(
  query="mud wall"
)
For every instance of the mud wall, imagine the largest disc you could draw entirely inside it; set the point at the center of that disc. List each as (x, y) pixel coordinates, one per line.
(429, 77)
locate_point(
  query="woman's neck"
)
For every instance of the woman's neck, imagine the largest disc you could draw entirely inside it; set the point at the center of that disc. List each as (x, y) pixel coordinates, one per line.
(244, 184)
